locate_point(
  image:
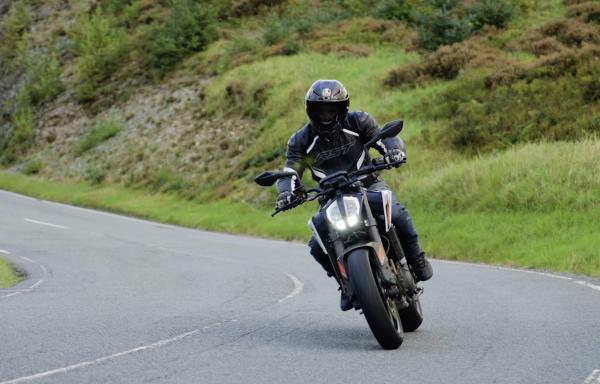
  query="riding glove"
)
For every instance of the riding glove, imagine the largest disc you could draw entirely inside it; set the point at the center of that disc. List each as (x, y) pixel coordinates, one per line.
(284, 198)
(394, 155)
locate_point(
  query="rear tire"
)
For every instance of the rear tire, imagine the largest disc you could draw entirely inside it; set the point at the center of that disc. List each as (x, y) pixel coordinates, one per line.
(381, 313)
(412, 317)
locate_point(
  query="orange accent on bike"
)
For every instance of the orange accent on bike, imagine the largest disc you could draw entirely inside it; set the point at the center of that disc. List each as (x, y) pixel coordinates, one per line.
(342, 269)
(380, 254)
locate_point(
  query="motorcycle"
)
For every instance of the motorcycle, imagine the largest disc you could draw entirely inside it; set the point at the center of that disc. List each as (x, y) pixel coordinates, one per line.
(364, 250)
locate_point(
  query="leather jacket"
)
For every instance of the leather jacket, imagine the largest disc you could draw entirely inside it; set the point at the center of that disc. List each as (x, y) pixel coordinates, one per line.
(341, 151)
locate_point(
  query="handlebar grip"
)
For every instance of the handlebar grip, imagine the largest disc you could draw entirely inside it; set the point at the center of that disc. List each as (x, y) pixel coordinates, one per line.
(378, 161)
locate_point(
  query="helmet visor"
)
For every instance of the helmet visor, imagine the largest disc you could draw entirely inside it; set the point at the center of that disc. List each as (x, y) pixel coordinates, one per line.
(326, 115)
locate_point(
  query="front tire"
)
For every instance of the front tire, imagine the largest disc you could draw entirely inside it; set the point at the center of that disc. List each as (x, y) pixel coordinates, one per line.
(381, 312)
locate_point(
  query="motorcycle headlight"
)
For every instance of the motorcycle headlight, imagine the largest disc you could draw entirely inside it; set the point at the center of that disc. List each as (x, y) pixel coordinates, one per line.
(352, 208)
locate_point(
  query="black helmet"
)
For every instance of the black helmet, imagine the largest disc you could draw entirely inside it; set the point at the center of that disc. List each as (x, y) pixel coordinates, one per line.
(326, 104)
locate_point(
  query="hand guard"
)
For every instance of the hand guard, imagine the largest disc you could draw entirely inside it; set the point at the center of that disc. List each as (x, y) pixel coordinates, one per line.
(284, 199)
(394, 155)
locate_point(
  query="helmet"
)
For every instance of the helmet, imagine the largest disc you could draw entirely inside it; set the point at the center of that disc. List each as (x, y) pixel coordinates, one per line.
(326, 104)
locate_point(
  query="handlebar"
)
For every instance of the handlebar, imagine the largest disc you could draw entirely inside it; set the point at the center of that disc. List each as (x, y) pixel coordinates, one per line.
(303, 195)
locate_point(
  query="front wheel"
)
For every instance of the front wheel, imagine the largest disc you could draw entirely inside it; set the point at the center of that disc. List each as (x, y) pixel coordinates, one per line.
(380, 311)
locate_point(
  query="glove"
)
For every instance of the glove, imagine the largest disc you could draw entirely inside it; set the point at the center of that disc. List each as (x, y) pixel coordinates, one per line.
(394, 155)
(284, 199)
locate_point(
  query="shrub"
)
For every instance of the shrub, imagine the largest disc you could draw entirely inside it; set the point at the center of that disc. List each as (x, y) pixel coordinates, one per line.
(20, 137)
(447, 62)
(187, 28)
(241, 8)
(32, 167)
(95, 174)
(394, 10)
(247, 99)
(14, 25)
(43, 77)
(554, 36)
(100, 46)
(588, 12)
(276, 29)
(102, 130)
(491, 12)
(441, 28)
(563, 107)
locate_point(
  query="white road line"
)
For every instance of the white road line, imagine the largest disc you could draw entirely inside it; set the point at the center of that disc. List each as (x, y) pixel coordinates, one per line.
(589, 285)
(5, 252)
(504, 268)
(298, 285)
(46, 224)
(12, 294)
(593, 378)
(102, 359)
(34, 286)
(580, 282)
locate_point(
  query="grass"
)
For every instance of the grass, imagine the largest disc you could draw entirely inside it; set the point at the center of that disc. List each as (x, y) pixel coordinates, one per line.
(545, 177)
(7, 275)
(102, 130)
(276, 100)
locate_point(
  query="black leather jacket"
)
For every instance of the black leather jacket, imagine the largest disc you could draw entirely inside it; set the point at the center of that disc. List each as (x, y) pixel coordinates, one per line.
(325, 155)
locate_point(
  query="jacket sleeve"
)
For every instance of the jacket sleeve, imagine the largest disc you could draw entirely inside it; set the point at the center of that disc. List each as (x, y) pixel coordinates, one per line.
(295, 162)
(368, 128)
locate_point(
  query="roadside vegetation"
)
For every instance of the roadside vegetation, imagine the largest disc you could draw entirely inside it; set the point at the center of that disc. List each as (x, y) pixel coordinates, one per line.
(168, 109)
(102, 130)
(8, 276)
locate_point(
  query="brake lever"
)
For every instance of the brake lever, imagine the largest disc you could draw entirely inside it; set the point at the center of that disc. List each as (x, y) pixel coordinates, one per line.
(298, 201)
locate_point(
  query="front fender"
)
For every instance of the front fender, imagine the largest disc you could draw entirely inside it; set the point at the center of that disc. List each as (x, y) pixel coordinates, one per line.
(376, 247)
(378, 256)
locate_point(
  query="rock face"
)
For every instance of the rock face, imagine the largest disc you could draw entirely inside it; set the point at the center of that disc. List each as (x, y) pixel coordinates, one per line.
(166, 142)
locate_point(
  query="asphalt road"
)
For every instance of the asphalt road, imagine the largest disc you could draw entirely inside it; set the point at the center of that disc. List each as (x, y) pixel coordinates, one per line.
(111, 299)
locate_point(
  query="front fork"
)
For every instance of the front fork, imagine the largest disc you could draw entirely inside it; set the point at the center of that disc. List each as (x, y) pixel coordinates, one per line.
(383, 266)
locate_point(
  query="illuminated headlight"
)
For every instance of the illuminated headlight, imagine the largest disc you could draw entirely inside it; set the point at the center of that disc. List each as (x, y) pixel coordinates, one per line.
(352, 208)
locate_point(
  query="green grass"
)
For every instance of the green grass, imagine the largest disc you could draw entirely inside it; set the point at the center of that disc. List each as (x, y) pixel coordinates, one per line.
(7, 275)
(558, 241)
(101, 131)
(545, 177)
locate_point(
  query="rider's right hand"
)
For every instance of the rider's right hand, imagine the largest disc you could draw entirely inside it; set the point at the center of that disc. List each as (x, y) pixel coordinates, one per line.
(285, 198)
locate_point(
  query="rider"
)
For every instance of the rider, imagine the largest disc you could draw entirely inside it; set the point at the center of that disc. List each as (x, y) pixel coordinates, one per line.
(333, 141)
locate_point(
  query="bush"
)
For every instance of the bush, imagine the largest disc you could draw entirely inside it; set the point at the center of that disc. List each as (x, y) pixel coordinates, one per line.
(100, 46)
(14, 25)
(491, 12)
(588, 12)
(447, 62)
(43, 77)
(20, 138)
(95, 174)
(441, 28)
(187, 28)
(394, 10)
(475, 118)
(102, 130)
(32, 167)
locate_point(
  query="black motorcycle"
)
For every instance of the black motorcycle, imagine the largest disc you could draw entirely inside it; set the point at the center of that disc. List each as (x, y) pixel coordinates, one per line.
(365, 250)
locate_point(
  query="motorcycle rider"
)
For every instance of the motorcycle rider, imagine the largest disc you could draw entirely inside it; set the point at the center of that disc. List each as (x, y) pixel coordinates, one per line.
(333, 141)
